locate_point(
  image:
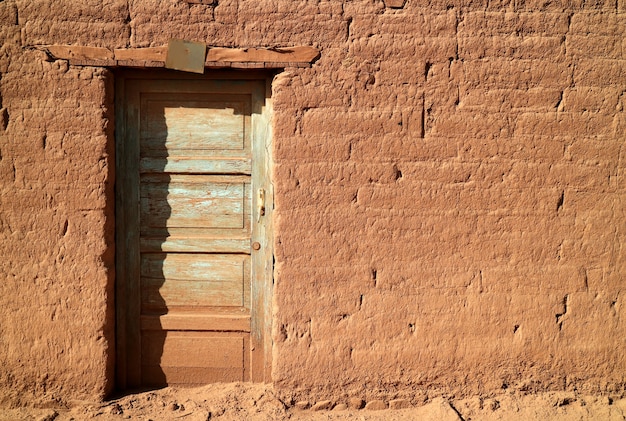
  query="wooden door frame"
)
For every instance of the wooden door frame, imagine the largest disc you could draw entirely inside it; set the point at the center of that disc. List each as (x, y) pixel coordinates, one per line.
(128, 372)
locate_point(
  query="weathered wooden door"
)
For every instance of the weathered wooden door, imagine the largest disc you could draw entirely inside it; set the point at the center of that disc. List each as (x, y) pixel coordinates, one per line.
(194, 259)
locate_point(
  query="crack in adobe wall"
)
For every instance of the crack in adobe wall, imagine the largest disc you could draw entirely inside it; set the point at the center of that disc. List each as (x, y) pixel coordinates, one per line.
(128, 21)
(560, 316)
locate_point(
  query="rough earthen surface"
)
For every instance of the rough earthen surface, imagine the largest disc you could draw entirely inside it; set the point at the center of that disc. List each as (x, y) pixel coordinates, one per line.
(449, 183)
(236, 401)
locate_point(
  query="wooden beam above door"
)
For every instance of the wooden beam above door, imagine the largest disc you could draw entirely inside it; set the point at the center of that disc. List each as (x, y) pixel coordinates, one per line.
(217, 57)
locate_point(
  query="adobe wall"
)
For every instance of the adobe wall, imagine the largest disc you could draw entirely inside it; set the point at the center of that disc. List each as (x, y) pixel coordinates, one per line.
(449, 180)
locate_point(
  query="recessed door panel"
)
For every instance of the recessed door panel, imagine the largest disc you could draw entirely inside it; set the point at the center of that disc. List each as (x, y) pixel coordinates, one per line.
(193, 201)
(193, 358)
(173, 280)
(194, 122)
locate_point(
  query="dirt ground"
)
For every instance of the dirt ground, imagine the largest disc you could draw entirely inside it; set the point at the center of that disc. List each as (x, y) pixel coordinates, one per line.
(239, 401)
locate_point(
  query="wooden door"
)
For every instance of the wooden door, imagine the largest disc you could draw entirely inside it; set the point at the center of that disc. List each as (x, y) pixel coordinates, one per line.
(194, 261)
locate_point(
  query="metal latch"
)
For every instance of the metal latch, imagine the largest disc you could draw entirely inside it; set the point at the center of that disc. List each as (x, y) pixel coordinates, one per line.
(260, 203)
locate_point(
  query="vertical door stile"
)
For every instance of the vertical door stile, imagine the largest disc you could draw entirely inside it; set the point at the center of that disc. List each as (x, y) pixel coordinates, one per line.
(132, 243)
(131, 182)
(120, 228)
(267, 280)
(262, 258)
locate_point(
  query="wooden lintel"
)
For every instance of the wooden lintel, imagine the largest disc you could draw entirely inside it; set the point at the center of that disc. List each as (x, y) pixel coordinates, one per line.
(141, 54)
(92, 62)
(216, 56)
(78, 52)
(263, 55)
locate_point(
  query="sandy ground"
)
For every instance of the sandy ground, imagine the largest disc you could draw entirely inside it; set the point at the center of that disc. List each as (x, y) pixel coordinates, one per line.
(259, 402)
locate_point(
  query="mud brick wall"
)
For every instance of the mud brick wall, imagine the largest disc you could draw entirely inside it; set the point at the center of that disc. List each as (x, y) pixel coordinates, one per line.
(449, 180)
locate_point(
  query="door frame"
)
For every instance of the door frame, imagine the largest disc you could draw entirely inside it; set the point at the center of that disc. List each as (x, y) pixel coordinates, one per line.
(128, 367)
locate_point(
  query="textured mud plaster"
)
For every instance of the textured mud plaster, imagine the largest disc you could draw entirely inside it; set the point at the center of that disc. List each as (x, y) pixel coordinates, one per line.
(429, 246)
(448, 185)
(57, 319)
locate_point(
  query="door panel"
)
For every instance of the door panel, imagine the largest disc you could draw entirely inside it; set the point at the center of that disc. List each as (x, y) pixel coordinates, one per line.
(179, 280)
(193, 357)
(194, 122)
(192, 292)
(194, 201)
